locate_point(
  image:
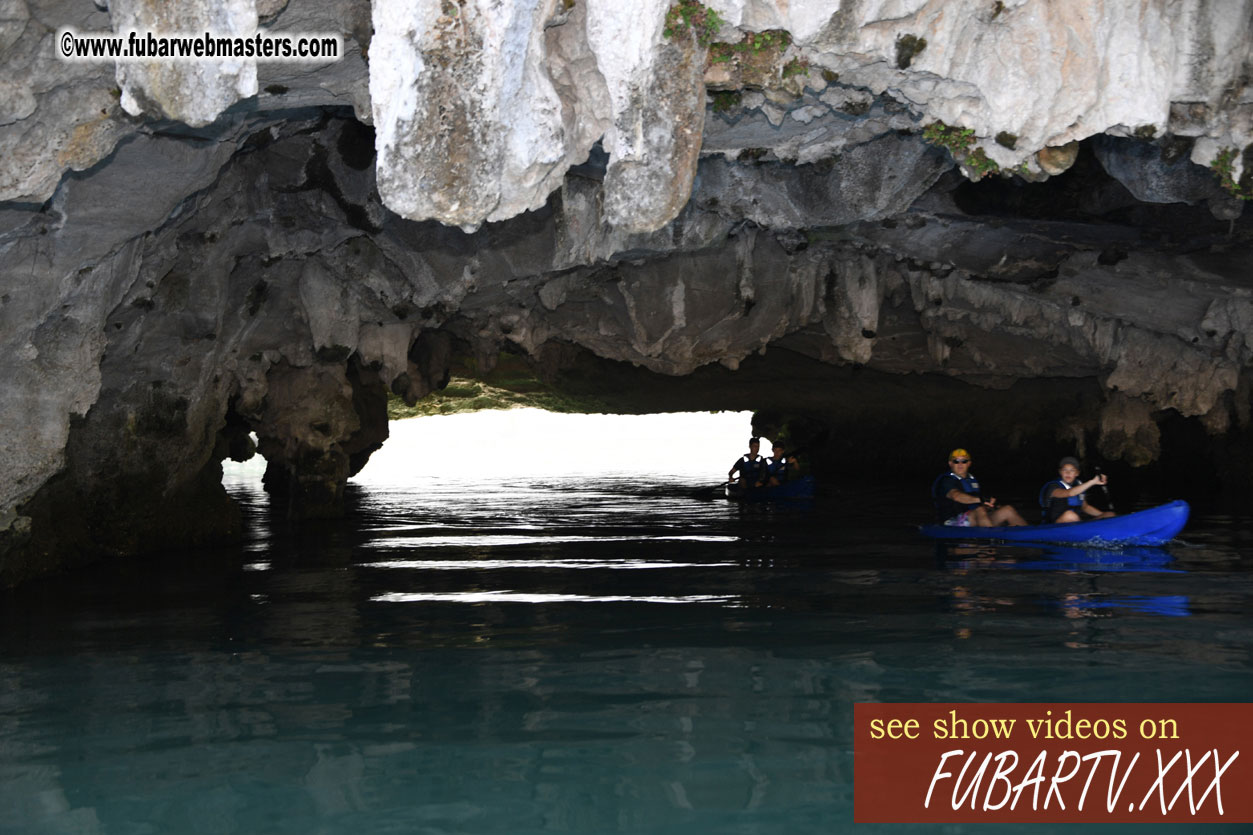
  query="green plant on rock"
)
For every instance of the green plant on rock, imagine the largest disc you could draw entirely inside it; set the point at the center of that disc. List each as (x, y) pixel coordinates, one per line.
(759, 42)
(907, 47)
(505, 391)
(753, 43)
(960, 143)
(796, 66)
(1223, 166)
(981, 163)
(756, 60)
(955, 140)
(724, 101)
(689, 16)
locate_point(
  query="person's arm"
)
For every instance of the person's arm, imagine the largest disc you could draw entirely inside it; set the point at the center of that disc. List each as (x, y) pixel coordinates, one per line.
(962, 497)
(1078, 489)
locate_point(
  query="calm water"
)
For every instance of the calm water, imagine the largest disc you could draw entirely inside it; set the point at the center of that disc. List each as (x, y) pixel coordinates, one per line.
(566, 655)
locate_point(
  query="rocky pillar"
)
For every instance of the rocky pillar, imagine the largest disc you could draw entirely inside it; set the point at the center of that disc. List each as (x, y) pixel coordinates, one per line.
(317, 428)
(141, 475)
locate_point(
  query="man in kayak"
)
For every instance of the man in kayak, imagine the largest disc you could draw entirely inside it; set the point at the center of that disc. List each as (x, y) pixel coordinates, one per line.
(751, 468)
(959, 503)
(1063, 498)
(780, 468)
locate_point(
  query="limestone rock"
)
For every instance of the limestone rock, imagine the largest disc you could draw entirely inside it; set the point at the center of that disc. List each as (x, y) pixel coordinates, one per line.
(195, 92)
(655, 141)
(1152, 175)
(1059, 73)
(1128, 431)
(54, 115)
(469, 126)
(1057, 160)
(866, 181)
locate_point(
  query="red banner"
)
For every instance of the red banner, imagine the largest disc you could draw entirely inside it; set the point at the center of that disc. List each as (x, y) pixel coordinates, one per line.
(1071, 762)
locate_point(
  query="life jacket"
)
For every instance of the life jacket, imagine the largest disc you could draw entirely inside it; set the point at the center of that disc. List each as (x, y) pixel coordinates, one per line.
(750, 469)
(1055, 507)
(946, 508)
(780, 470)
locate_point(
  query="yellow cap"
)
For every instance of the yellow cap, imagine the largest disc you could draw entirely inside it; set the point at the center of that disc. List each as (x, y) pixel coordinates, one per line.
(958, 453)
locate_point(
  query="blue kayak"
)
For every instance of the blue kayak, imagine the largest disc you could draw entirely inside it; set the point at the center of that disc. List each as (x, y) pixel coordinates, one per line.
(801, 488)
(1154, 526)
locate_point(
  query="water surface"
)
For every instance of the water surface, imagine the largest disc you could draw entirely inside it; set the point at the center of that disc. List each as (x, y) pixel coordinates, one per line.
(549, 653)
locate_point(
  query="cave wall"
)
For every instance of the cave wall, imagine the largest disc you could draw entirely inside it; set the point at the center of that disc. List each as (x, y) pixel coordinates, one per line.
(188, 259)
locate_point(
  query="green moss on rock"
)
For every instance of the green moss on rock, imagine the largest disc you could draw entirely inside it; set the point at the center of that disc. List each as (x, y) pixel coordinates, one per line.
(512, 384)
(1224, 166)
(688, 17)
(726, 101)
(907, 48)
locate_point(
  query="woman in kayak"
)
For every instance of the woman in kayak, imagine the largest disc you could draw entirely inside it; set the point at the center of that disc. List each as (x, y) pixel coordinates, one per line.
(1063, 498)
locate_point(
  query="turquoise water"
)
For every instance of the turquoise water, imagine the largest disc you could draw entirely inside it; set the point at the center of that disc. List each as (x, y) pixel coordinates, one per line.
(569, 655)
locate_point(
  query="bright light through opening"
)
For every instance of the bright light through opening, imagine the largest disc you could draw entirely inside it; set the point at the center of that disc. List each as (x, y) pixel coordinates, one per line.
(531, 443)
(525, 444)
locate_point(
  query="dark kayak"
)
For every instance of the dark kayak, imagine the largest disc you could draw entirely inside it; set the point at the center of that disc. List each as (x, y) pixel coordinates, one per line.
(801, 488)
(1154, 526)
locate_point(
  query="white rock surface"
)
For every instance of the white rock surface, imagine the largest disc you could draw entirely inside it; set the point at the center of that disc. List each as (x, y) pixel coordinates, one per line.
(657, 96)
(480, 113)
(54, 116)
(1048, 73)
(468, 123)
(195, 92)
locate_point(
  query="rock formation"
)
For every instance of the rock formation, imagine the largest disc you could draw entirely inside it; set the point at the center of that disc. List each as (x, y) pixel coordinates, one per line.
(866, 207)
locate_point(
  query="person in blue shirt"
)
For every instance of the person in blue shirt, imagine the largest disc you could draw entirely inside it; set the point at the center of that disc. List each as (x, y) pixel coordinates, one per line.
(780, 467)
(749, 469)
(1063, 498)
(959, 502)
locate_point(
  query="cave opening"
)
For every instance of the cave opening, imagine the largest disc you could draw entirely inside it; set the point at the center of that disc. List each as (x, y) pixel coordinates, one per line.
(527, 445)
(864, 434)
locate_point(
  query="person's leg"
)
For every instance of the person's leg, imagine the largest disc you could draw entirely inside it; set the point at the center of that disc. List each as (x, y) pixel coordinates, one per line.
(979, 517)
(1007, 516)
(1068, 516)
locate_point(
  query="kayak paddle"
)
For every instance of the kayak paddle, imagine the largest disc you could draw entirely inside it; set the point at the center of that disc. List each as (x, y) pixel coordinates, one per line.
(1105, 490)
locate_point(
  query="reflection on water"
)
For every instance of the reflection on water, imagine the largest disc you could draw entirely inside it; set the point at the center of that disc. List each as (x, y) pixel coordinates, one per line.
(1060, 557)
(565, 655)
